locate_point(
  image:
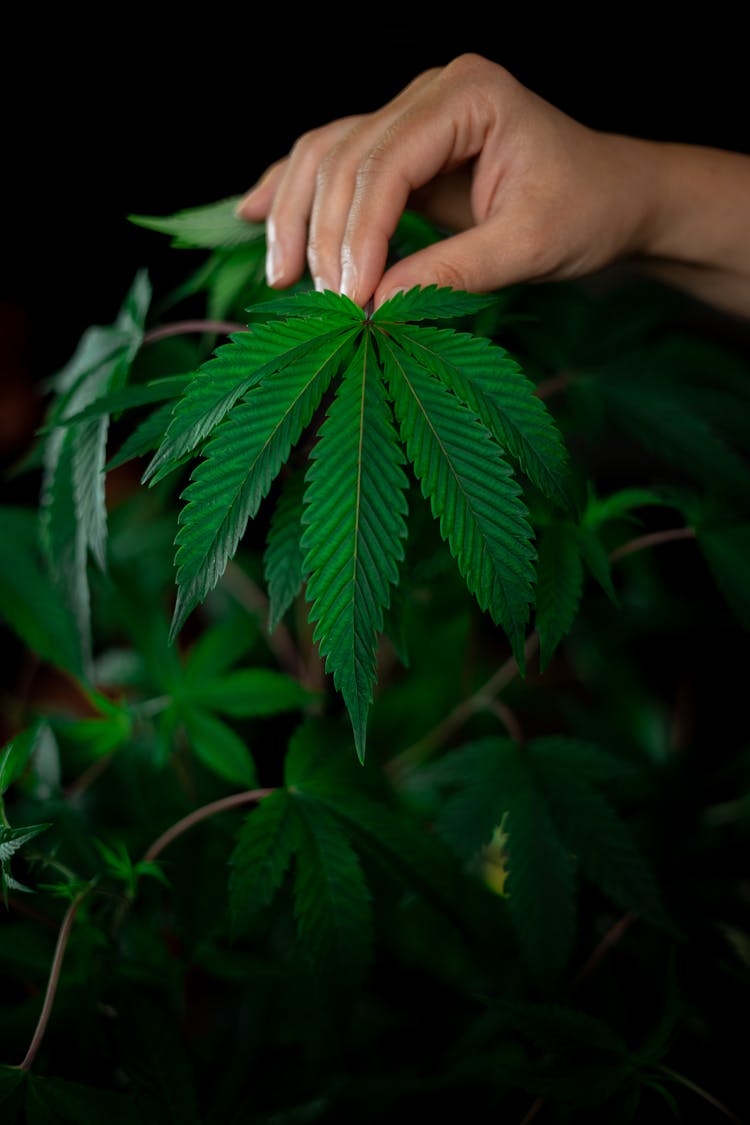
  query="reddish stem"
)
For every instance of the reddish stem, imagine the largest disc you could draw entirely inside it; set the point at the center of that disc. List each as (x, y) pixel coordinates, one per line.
(187, 327)
(247, 797)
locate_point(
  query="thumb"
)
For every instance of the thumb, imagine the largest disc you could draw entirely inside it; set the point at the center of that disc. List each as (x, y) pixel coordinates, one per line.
(479, 260)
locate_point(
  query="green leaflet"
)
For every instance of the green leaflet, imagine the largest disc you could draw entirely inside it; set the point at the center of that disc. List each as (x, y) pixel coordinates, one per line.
(489, 380)
(262, 854)
(240, 463)
(471, 491)
(601, 842)
(11, 841)
(73, 519)
(283, 557)
(235, 368)
(332, 901)
(209, 226)
(354, 519)
(219, 747)
(30, 600)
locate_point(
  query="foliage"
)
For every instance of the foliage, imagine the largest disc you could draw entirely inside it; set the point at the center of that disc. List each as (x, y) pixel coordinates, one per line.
(384, 756)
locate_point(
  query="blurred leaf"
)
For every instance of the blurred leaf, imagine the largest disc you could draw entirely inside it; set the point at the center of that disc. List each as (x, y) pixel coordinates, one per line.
(219, 747)
(211, 225)
(262, 854)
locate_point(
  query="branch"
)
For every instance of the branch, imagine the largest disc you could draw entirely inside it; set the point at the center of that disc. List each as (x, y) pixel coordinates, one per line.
(187, 327)
(235, 800)
(54, 977)
(484, 698)
(653, 539)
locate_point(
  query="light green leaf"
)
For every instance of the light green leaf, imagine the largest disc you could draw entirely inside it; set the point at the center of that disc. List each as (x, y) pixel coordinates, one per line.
(11, 841)
(471, 490)
(354, 526)
(208, 226)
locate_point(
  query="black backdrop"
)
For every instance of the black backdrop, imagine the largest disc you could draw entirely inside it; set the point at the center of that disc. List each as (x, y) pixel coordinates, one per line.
(137, 114)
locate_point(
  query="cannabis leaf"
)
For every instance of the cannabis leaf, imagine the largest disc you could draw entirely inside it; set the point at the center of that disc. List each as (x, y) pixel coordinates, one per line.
(11, 841)
(388, 390)
(555, 823)
(73, 509)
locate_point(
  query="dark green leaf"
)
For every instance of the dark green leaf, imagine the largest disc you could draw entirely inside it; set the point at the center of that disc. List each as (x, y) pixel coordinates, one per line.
(248, 692)
(471, 490)
(430, 302)
(282, 561)
(491, 383)
(559, 587)
(354, 526)
(242, 458)
(219, 747)
(262, 854)
(50, 1101)
(332, 902)
(604, 848)
(30, 602)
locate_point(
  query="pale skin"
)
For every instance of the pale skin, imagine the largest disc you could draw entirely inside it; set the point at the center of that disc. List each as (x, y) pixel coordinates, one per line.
(529, 194)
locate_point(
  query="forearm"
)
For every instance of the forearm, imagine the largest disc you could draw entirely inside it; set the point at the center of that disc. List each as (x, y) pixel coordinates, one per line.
(698, 236)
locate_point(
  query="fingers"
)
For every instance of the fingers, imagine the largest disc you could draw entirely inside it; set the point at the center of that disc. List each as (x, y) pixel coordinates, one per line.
(336, 200)
(499, 252)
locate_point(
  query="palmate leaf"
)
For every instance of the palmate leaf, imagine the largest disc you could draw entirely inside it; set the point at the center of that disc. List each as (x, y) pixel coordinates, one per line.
(11, 841)
(241, 462)
(471, 490)
(354, 527)
(249, 404)
(494, 786)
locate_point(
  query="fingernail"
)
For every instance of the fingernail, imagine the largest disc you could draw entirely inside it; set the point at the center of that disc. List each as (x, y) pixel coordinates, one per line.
(348, 280)
(274, 256)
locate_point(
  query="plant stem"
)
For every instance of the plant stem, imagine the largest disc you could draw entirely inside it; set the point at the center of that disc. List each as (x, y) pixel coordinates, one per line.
(653, 539)
(690, 1085)
(484, 698)
(247, 797)
(54, 977)
(187, 327)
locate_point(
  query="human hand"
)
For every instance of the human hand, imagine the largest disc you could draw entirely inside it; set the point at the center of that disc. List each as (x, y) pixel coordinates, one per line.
(531, 193)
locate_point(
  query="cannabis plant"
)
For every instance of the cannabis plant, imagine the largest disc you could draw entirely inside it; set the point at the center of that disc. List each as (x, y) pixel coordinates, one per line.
(361, 744)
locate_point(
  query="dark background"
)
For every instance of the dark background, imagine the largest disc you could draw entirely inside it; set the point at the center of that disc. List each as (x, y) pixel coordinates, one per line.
(140, 115)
